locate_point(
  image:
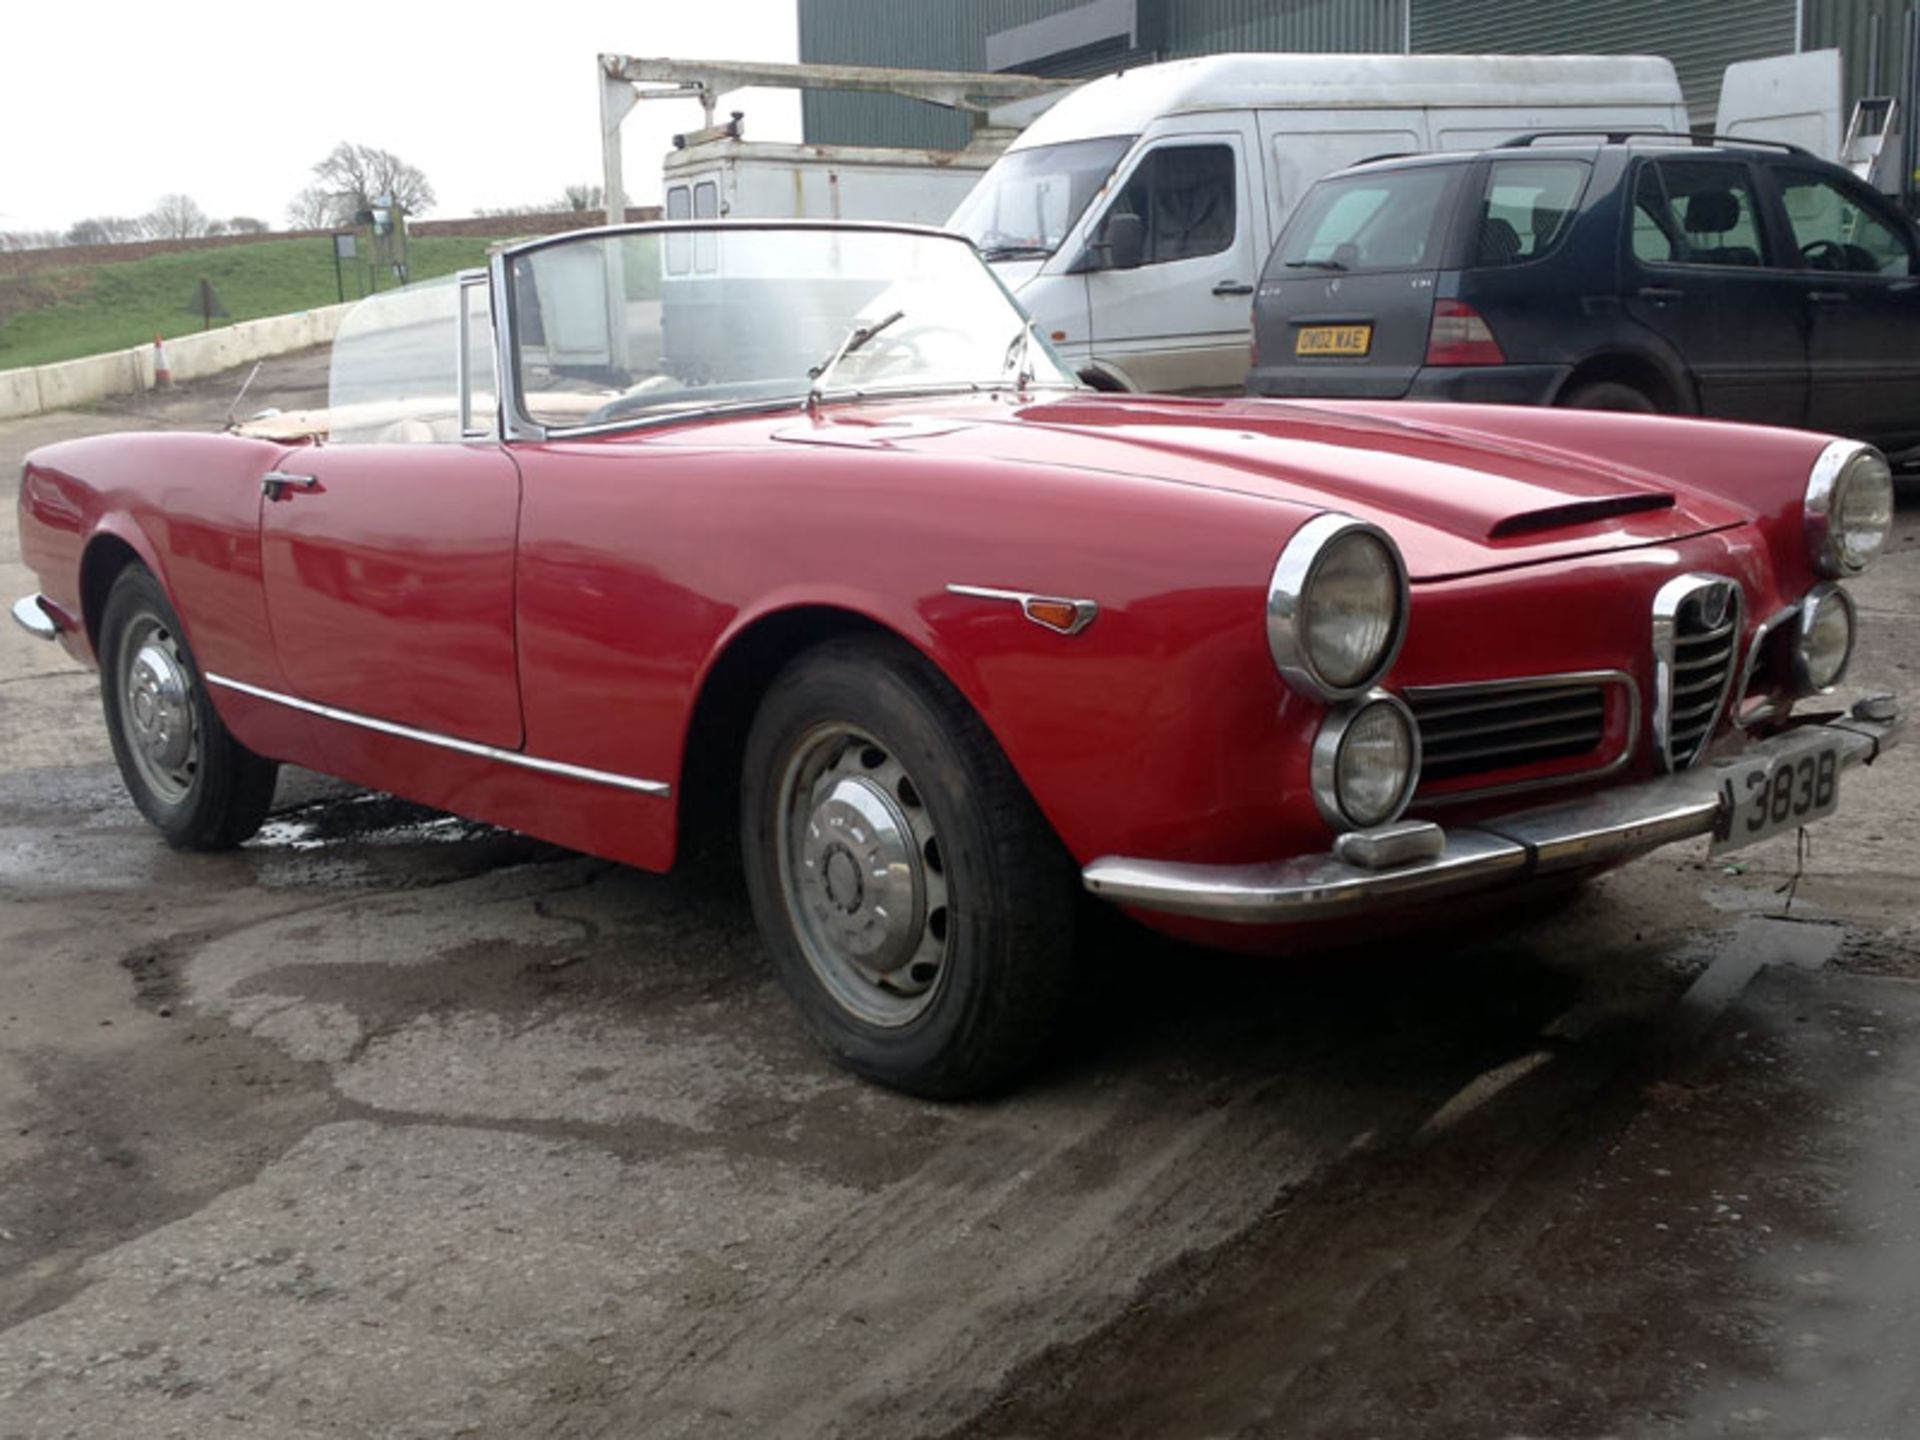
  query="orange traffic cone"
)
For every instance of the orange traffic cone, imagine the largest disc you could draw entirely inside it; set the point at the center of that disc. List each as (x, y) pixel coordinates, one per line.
(162, 376)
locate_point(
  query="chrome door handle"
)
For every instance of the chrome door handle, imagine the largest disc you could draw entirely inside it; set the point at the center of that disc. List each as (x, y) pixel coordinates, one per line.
(1827, 297)
(1661, 294)
(1233, 287)
(276, 483)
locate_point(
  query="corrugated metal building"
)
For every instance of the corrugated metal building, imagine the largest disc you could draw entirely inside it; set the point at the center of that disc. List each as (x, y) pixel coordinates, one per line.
(1089, 37)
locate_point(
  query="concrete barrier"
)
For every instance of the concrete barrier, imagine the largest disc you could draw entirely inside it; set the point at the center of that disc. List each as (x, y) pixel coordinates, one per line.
(34, 389)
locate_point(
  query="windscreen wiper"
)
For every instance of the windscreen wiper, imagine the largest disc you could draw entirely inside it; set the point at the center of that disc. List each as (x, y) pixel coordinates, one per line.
(1016, 252)
(1314, 265)
(856, 337)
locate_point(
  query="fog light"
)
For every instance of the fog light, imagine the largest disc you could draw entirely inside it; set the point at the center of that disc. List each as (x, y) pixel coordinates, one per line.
(1366, 759)
(1825, 642)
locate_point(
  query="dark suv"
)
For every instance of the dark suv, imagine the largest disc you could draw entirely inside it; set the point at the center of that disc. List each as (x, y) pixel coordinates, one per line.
(1728, 278)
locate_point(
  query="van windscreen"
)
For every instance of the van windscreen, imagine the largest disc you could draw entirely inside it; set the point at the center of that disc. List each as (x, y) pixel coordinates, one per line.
(1383, 220)
(1024, 206)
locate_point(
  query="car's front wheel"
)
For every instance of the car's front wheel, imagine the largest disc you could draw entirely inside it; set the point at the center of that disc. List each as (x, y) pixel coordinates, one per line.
(201, 788)
(918, 908)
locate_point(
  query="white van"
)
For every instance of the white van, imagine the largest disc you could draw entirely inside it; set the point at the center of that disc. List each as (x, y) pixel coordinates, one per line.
(1132, 218)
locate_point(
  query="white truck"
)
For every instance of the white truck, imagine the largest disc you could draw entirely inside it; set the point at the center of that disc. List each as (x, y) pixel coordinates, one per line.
(1132, 218)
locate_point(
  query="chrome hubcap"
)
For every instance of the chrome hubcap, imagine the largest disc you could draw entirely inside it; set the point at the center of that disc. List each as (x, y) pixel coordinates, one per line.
(156, 706)
(863, 876)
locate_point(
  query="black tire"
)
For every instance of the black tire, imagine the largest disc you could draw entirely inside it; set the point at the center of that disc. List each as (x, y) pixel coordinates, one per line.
(1609, 395)
(201, 788)
(937, 960)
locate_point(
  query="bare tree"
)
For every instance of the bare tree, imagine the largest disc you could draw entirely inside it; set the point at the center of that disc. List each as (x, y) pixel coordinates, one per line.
(29, 239)
(583, 197)
(246, 225)
(177, 217)
(351, 179)
(311, 210)
(106, 230)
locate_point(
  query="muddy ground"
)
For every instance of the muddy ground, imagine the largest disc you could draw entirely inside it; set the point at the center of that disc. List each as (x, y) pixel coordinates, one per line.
(388, 1124)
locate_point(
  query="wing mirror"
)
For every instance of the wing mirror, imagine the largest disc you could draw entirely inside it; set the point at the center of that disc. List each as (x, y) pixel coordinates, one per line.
(1122, 245)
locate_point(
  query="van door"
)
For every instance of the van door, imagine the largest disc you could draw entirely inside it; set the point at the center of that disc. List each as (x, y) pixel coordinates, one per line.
(1173, 314)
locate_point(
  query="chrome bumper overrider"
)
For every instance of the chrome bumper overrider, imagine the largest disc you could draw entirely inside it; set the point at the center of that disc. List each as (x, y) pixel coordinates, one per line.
(31, 616)
(1591, 830)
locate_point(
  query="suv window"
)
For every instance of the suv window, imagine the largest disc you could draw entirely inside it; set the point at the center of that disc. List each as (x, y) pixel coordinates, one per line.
(1834, 230)
(1388, 220)
(1184, 194)
(1528, 206)
(1695, 212)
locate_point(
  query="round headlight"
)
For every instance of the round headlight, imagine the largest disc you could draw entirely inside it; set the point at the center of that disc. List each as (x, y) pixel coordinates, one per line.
(1366, 759)
(1849, 508)
(1336, 607)
(1825, 642)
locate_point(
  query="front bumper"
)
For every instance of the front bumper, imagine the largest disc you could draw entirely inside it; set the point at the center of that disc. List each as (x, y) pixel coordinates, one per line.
(1593, 830)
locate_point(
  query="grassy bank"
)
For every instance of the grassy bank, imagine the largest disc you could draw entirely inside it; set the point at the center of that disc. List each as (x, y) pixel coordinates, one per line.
(61, 314)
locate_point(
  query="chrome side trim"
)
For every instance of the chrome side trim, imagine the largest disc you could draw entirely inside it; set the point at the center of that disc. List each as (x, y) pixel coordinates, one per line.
(1574, 834)
(31, 616)
(1286, 593)
(447, 742)
(1666, 616)
(1569, 679)
(1084, 611)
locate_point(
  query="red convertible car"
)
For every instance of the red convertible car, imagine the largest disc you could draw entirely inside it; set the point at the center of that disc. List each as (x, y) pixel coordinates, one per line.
(803, 526)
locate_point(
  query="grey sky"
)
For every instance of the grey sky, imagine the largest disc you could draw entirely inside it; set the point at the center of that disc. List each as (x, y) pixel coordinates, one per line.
(104, 107)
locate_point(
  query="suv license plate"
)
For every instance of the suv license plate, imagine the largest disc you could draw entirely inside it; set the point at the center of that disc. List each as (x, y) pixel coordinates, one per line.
(1762, 798)
(1333, 340)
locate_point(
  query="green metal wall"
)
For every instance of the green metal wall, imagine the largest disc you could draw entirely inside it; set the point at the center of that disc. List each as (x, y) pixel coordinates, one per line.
(925, 34)
(951, 35)
(1700, 37)
(1870, 35)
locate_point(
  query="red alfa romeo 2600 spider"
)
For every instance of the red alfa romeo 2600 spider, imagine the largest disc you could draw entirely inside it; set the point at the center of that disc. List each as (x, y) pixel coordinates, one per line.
(804, 525)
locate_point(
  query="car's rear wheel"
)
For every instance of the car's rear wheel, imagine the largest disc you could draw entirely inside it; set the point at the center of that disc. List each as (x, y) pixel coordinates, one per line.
(201, 788)
(1609, 395)
(918, 908)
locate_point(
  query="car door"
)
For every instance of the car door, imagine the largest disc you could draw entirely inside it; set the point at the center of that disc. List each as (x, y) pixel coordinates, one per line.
(388, 553)
(1701, 271)
(1178, 319)
(1857, 259)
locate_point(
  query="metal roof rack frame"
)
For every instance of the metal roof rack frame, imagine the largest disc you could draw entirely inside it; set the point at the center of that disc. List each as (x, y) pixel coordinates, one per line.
(1623, 137)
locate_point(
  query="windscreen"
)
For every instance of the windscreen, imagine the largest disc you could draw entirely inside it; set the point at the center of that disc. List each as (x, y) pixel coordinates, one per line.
(611, 328)
(1027, 203)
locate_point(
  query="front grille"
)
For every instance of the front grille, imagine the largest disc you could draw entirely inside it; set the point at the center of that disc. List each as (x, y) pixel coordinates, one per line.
(1508, 724)
(1696, 645)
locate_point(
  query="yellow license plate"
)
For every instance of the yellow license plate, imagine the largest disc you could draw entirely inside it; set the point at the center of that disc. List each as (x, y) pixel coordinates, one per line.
(1333, 340)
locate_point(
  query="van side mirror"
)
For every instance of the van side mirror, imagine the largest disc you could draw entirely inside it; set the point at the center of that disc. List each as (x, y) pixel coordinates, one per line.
(1125, 241)
(1119, 244)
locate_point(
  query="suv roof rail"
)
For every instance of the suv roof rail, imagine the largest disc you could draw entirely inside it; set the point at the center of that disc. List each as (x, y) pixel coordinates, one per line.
(1622, 137)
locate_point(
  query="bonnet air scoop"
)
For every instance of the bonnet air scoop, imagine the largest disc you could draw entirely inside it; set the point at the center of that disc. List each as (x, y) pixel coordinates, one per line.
(1577, 512)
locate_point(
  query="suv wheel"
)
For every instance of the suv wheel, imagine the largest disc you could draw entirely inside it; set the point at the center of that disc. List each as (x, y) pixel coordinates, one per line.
(1608, 395)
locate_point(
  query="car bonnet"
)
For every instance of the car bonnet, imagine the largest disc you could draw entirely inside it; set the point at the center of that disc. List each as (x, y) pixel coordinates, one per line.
(1456, 504)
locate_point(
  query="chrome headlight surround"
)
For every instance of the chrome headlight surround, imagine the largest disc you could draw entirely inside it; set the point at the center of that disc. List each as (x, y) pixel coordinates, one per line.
(1290, 601)
(1812, 674)
(1335, 756)
(1848, 508)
